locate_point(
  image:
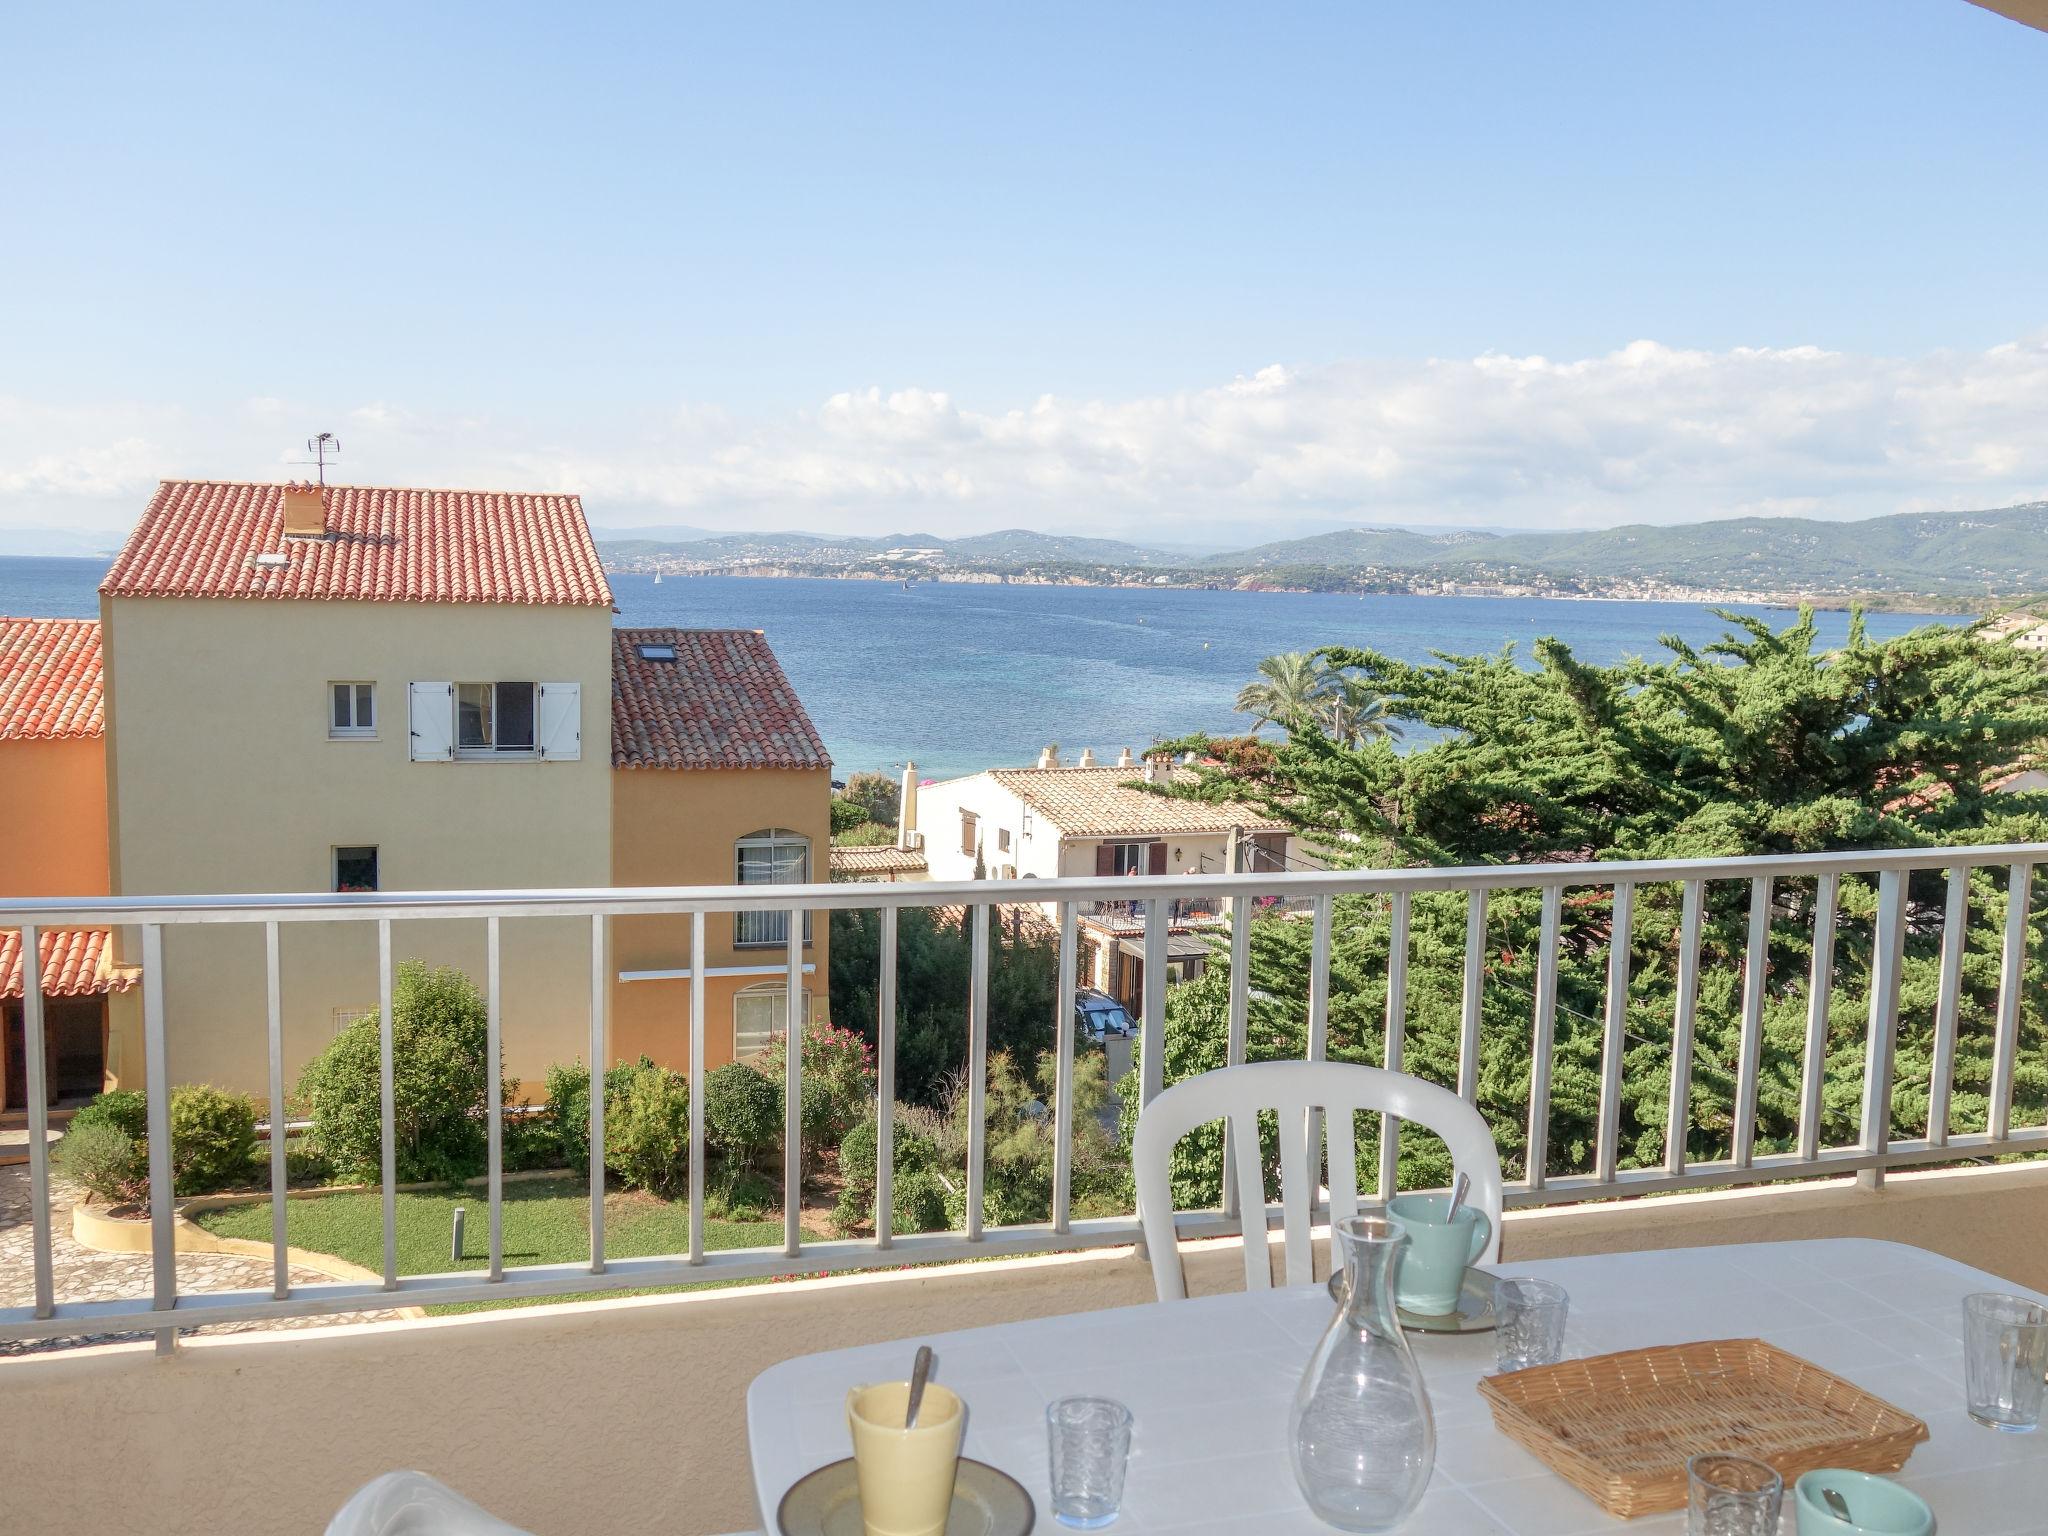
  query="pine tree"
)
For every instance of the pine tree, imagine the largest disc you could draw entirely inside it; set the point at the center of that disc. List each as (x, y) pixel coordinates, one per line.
(1760, 743)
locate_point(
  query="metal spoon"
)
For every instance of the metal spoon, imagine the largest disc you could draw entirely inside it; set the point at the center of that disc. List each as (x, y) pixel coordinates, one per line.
(1837, 1505)
(1458, 1192)
(919, 1370)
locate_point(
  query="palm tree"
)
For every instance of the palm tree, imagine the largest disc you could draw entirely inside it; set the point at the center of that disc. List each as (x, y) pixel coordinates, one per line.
(1354, 714)
(1288, 688)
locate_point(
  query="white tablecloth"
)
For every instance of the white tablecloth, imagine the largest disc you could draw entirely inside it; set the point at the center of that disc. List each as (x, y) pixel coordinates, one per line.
(1209, 1382)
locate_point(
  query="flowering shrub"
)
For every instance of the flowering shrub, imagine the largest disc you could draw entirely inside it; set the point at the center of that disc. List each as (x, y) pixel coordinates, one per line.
(839, 1080)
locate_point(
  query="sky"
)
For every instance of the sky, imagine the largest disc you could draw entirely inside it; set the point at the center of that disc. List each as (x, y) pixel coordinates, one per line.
(1194, 273)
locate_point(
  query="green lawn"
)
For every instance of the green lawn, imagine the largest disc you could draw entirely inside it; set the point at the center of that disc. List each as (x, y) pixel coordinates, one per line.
(547, 1221)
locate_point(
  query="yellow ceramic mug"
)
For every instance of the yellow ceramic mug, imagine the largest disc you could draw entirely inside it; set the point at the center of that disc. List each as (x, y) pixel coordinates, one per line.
(905, 1475)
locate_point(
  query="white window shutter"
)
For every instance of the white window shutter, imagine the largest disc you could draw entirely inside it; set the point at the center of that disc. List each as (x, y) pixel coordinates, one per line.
(561, 722)
(432, 721)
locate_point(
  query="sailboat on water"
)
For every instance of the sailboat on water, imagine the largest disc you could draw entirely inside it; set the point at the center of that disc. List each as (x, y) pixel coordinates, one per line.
(657, 578)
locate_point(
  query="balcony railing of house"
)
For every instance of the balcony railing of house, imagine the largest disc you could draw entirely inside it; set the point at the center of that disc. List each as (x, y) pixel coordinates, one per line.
(1817, 881)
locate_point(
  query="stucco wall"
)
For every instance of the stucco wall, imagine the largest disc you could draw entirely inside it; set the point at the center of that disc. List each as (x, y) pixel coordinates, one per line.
(55, 795)
(633, 1410)
(938, 817)
(680, 828)
(223, 779)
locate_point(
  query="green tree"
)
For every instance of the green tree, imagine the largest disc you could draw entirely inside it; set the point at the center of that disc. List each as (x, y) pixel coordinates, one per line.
(934, 970)
(1351, 713)
(877, 795)
(1287, 691)
(1763, 742)
(440, 1056)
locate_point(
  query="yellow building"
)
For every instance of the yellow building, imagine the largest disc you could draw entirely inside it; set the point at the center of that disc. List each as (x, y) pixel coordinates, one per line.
(719, 779)
(363, 688)
(53, 806)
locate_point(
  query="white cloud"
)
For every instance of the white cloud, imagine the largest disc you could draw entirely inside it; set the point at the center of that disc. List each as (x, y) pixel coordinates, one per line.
(1648, 432)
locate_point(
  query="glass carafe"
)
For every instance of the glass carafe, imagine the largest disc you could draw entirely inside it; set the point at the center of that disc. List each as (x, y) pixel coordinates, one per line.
(1363, 1438)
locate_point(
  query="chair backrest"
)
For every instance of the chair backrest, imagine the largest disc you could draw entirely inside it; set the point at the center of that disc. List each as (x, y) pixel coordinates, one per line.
(1297, 1090)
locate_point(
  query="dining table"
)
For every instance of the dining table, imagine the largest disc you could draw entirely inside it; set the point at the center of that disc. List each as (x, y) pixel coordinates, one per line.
(1209, 1381)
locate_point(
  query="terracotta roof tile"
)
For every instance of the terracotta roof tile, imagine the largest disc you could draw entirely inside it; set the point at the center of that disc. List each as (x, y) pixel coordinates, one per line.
(203, 538)
(721, 703)
(1024, 918)
(883, 859)
(50, 679)
(77, 962)
(1099, 802)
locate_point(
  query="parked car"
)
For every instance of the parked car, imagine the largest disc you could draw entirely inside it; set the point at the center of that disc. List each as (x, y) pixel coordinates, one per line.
(1098, 1017)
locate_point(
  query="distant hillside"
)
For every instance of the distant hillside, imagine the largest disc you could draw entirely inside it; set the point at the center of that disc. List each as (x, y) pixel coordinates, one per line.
(1354, 547)
(2004, 550)
(1959, 558)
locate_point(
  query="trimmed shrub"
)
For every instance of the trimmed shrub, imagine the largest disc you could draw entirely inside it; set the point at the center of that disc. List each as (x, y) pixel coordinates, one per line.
(213, 1138)
(303, 1163)
(126, 1109)
(568, 1114)
(440, 1037)
(839, 1081)
(742, 1111)
(109, 1163)
(919, 1201)
(647, 1127)
(914, 1154)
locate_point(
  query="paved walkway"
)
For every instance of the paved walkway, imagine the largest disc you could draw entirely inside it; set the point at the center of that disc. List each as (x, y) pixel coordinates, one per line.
(85, 1274)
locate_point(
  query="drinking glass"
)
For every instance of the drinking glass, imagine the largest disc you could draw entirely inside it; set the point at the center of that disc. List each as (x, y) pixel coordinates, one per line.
(1090, 1441)
(1732, 1496)
(2005, 1357)
(1531, 1317)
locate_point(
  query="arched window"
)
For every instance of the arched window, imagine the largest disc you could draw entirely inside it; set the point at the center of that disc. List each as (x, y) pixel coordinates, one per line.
(760, 1015)
(776, 856)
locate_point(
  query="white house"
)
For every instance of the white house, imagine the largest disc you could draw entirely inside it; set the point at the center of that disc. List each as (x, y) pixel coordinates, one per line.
(1021, 823)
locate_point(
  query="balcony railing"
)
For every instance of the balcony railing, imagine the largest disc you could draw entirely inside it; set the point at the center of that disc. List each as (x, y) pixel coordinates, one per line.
(1818, 881)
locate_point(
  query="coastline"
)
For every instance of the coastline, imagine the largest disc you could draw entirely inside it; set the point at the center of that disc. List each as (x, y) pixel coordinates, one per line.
(1651, 592)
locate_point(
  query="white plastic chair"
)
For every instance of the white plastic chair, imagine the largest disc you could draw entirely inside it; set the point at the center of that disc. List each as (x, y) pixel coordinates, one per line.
(414, 1504)
(1294, 1089)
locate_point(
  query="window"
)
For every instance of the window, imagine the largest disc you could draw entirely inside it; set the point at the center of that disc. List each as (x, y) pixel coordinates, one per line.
(760, 1016)
(651, 652)
(970, 832)
(351, 710)
(493, 717)
(355, 869)
(774, 857)
(1130, 858)
(344, 1017)
(1002, 840)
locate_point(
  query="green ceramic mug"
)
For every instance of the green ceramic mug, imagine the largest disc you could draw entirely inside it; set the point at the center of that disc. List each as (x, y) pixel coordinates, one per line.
(1877, 1506)
(1439, 1251)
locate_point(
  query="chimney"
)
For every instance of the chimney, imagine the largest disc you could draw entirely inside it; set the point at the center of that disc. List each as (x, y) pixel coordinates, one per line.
(1123, 759)
(305, 512)
(906, 810)
(1158, 768)
(1087, 757)
(1047, 758)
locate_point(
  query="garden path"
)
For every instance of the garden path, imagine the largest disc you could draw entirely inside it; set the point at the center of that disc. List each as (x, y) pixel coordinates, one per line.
(85, 1274)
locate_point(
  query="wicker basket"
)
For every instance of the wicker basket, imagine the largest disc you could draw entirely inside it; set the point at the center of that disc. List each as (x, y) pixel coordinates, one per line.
(1620, 1427)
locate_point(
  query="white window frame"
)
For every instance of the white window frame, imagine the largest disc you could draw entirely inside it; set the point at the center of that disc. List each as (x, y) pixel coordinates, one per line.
(776, 994)
(355, 730)
(334, 865)
(495, 753)
(764, 930)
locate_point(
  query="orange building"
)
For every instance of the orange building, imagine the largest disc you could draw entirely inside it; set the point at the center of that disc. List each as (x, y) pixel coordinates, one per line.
(719, 778)
(53, 797)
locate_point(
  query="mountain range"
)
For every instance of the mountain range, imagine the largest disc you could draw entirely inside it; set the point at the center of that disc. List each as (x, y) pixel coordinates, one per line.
(1955, 556)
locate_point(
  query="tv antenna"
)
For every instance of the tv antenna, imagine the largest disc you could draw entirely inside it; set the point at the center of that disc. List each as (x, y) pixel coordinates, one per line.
(320, 447)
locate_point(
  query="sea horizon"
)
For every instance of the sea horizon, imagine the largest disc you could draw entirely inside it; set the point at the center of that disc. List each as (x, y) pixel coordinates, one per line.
(962, 676)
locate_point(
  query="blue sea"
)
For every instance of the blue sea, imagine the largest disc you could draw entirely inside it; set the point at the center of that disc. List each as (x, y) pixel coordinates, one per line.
(961, 676)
